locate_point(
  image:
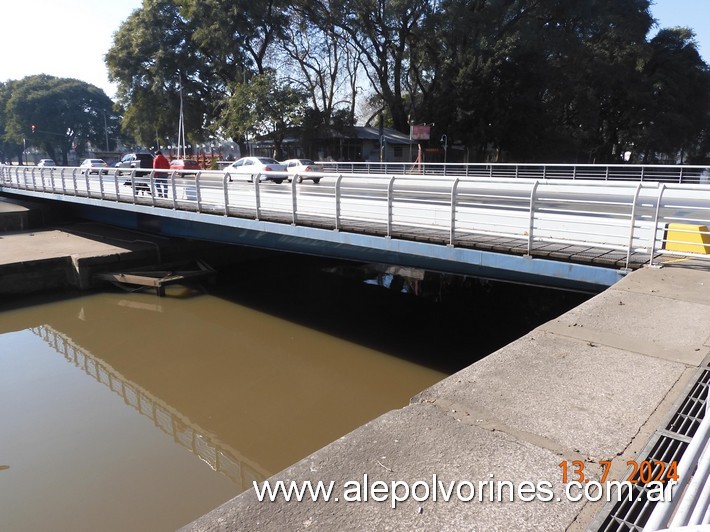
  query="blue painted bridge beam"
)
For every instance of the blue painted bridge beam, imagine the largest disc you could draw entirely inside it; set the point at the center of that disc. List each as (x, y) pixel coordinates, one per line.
(353, 246)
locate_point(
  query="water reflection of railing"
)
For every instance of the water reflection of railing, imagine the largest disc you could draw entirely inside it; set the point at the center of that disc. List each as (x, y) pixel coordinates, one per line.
(182, 430)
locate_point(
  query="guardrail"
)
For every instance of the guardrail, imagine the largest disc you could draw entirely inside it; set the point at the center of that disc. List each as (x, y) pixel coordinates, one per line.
(625, 217)
(682, 174)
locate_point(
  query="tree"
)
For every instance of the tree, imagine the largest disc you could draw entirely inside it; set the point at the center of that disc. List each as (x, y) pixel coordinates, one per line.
(153, 59)
(8, 148)
(318, 59)
(510, 79)
(263, 107)
(675, 117)
(533, 79)
(236, 36)
(57, 115)
(382, 32)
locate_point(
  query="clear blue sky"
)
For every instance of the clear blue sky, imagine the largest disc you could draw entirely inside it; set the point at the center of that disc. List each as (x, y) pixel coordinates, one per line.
(69, 38)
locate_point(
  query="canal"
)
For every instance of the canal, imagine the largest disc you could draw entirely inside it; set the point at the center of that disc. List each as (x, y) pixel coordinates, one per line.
(125, 411)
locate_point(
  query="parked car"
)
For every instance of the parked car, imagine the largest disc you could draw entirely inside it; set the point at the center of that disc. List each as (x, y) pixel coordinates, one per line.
(94, 166)
(135, 160)
(251, 166)
(46, 162)
(301, 167)
(185, 164)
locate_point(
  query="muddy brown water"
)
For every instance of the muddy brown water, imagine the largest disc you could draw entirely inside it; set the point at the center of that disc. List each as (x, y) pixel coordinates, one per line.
(124, 411)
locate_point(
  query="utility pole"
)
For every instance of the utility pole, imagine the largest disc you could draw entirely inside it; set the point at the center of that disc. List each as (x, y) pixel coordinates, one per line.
(106, 129)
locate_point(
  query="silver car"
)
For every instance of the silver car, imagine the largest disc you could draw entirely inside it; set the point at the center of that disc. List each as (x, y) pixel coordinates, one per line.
(302, 168)
(261, 166)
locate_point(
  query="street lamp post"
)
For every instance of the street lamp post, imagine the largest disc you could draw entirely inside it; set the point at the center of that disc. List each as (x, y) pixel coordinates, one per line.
(106, 130)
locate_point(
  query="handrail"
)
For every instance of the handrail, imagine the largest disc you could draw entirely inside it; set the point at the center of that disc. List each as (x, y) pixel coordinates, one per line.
(668, 173)
(612, 216)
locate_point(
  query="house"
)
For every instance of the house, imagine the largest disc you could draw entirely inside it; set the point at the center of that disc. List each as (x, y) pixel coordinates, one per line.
(352, 143)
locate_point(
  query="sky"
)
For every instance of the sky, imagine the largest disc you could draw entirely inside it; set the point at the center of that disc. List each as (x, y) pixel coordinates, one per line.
(70, 38)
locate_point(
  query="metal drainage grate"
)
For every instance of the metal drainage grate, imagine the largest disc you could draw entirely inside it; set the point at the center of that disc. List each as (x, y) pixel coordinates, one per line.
(666, 445)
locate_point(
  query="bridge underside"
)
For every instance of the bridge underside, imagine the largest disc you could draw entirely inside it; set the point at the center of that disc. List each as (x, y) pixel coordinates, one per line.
(354, 246)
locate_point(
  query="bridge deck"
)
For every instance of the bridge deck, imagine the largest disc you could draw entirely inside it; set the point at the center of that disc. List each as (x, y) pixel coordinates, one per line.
(463, 225)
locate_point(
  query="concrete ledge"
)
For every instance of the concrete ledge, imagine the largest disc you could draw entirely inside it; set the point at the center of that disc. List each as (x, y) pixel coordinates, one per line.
(589, 386)
(408, 445)
(67, 256)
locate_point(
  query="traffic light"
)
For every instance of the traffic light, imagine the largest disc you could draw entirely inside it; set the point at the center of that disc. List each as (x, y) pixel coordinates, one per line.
(33, 128)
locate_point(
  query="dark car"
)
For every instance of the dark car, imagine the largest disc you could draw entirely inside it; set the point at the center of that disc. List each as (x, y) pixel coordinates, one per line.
(135, 160)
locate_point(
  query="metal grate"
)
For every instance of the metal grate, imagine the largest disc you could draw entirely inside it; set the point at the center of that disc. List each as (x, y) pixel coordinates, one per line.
(667, 445)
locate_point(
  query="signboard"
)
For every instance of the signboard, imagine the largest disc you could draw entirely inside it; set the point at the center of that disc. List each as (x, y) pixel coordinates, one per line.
(419, 132)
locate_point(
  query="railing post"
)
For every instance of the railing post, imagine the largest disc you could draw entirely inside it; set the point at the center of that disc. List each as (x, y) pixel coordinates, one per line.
(115, 185)
(655, 222)
(88, 185)
(257, 199)
(173, 187)
(133, 185)
(337, 202)
(225, 180)
(452, 233)
(151, 180)
(64, 185)
(198, 192)
(294, 206)
(633, 224)
(531, 221)
(101, 184)
(390, 192)
(74, 182)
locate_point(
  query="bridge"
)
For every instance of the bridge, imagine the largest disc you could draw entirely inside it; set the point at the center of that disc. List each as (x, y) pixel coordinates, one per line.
(580, 227)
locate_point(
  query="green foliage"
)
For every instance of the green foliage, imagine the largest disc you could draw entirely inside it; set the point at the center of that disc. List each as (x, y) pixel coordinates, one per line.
(263, 107)
(56, 114)
(675, 115)
(510, 79)
(153, 59)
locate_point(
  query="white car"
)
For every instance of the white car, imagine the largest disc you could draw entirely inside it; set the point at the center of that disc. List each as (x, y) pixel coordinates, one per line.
(261, 166)
(300, 169)
(46, 162)
(94, 166)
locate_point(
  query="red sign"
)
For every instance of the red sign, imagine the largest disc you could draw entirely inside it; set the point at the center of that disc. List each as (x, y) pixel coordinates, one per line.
(420, 132)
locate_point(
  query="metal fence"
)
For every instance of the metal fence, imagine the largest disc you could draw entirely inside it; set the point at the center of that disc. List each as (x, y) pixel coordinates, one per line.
(627, 217)
(688, 174)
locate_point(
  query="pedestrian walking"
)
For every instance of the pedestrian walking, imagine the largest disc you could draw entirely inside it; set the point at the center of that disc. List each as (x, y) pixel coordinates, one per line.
(161, 178)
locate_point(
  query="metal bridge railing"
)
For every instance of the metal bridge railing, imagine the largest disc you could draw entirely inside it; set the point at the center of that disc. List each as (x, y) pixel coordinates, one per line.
(628, 217)
(681, 174)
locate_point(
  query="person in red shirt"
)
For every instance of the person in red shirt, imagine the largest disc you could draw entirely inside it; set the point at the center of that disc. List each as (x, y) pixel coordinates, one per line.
(161, 178)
